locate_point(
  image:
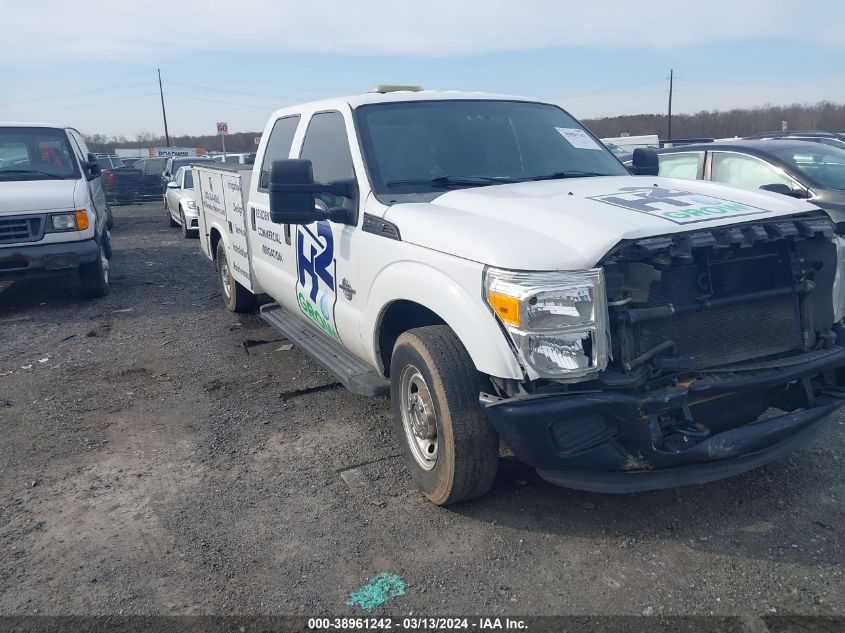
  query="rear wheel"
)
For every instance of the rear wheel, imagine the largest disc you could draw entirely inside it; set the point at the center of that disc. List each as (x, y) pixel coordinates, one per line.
(95, 276)
(450, 448)
(235, 296)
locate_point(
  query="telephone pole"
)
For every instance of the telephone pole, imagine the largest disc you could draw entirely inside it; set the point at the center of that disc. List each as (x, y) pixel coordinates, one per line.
(669, 131)
(163, 113)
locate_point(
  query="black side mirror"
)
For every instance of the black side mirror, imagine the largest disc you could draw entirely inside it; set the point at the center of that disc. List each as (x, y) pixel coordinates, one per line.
(644, 162)
(785, 190)
(293, 193)
(92, 167)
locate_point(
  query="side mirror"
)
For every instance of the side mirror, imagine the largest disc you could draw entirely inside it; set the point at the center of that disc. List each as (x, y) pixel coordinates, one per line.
(92, 167)
(293, 193)
(173, 185)
(644, 162)
(785, 190)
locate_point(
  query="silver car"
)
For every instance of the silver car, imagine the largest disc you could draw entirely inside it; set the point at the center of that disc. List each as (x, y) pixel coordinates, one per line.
(180, 204)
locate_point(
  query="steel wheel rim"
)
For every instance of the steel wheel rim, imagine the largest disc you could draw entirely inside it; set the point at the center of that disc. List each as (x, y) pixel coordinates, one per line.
(104, 263)
(419, 419)
(225, 278)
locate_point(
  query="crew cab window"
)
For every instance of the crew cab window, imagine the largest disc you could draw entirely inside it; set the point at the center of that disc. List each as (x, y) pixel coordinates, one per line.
(278, 146)
(326, 145)
(681, 165)
(745, 172)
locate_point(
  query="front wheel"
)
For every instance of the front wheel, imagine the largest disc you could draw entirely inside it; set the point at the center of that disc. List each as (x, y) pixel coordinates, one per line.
(235, 296)
(95, 276)
(450, 448)
(173, 222)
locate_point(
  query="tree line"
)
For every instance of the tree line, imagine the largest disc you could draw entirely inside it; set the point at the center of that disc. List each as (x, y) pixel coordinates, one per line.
(725, 123)
(237, 142)
(705, 124)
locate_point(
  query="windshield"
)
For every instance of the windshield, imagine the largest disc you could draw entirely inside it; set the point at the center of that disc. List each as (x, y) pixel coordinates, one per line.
(429, 146)
(36, 153)
(822, 164)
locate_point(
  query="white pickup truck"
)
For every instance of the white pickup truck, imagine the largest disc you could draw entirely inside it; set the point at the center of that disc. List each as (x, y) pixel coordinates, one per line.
(487, 262)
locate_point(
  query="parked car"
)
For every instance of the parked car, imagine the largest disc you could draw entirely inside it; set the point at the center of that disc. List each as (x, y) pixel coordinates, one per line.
(179, 202)
(491, 265)
(151, 172)
(801, 169)
(122, 183)
(173, 164)
(836, 139)
(244, 158)
(130, 162)
(53, 210)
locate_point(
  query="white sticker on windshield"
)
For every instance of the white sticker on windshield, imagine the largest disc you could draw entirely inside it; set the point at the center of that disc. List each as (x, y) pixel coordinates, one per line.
(578, 138)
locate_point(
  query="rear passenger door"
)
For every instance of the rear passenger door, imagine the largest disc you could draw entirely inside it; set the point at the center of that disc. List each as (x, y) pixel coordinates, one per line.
(273, 258)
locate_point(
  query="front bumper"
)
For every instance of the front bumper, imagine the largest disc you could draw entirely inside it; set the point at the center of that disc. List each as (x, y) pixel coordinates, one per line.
(43, 260)
(610, 441)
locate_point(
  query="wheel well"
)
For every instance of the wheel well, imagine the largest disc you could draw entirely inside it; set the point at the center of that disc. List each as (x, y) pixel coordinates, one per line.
(398, 317)
(215, 237)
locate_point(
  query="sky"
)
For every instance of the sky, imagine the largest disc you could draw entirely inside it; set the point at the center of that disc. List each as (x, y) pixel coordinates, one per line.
(94, 65)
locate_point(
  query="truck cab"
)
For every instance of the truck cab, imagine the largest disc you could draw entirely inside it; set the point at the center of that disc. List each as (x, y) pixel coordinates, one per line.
(489, 264)
(53, 211)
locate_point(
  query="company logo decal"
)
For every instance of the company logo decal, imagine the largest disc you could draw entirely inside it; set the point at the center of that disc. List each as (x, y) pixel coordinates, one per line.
(676, 205)
(316, 283)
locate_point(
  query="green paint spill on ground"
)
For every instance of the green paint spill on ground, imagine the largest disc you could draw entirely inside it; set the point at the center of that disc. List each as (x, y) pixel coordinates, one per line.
(378, 591)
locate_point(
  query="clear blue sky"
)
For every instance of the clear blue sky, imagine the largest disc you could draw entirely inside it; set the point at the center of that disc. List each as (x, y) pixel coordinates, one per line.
(222, 63)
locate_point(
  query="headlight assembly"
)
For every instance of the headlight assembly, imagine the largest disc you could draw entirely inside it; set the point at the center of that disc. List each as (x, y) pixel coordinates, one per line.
(556, 320)
(191, 204)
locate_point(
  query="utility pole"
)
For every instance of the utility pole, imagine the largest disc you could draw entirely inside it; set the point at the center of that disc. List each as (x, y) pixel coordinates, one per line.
(163, 113)
(669, 131)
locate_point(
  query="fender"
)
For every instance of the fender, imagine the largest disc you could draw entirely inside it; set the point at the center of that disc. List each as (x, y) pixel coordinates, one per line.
(462, 311)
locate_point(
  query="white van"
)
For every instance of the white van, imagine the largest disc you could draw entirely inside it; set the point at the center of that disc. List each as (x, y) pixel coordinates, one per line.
(53, 210)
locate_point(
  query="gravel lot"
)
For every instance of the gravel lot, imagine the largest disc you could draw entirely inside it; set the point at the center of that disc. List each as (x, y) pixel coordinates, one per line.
(156, 458)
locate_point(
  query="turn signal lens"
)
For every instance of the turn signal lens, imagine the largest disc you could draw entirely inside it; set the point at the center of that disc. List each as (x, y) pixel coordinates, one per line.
(506, 307)
(81, 219)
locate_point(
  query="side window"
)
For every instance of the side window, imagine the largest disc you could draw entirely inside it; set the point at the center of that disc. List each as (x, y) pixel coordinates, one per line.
(745, 172)
(78, 143)
(278, 146)
(681, 165)
(326, 145)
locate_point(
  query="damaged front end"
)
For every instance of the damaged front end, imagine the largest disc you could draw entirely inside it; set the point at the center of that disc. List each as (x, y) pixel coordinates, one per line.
(710, 331)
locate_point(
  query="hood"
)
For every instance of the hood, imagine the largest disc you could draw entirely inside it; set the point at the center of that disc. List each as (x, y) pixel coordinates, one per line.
(571, 224)
(25, 196)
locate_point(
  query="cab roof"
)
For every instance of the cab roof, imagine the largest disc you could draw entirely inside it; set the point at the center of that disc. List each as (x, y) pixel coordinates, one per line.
(355, 101)
(32, 124)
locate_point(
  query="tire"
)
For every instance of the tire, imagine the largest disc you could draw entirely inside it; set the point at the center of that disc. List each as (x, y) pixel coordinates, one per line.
(95, 276)
(187, 233)
(466, 448)
(173, 223)
(235, 296)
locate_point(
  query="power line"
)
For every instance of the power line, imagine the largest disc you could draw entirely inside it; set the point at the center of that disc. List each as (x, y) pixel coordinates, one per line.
(82, 105)
(245, 105)
(240, 92)
(74, 94)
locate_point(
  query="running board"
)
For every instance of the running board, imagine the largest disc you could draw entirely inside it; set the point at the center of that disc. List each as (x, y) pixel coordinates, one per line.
(350, 371)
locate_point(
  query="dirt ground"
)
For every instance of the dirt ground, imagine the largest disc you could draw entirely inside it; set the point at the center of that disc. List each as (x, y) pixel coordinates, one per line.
(160, 455)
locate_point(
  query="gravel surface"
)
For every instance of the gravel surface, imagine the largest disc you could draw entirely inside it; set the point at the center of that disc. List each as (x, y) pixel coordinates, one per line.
(161, 455)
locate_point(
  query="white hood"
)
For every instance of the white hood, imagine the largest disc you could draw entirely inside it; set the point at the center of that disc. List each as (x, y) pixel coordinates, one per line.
(25, 196)
(571, 224)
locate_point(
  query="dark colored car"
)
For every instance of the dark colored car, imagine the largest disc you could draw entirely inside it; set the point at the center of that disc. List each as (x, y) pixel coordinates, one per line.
(836, 139)
(121, 183)
(151, 172)
(801, 169)
(172, 166)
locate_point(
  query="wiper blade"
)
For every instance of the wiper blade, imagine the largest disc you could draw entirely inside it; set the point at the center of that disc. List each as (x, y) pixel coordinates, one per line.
(453, 181)
(558, 175)
(30, 171)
